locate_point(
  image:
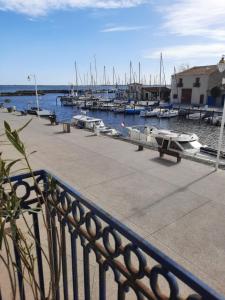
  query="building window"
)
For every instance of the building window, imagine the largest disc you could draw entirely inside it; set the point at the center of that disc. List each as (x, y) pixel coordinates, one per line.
(197, 82)
(201, 99)
(180, 82)
(175, 96)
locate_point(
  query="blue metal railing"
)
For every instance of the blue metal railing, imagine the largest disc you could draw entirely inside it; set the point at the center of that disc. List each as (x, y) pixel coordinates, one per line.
(136, 265)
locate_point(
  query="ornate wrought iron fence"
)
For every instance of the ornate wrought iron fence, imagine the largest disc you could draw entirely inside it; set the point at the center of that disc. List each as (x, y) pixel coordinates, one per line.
(124, 266)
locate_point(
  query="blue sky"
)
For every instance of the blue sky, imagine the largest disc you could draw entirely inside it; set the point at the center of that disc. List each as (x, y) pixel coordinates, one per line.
(45, 37)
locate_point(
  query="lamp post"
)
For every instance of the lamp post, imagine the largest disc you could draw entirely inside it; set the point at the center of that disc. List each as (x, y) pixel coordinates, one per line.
(221, 68)
(36, 90)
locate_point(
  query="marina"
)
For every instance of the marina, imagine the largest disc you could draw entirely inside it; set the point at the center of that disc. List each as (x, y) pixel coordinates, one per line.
(208, 134)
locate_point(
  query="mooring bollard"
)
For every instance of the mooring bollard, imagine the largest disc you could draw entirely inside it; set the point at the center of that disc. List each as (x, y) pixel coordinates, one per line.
(66, 127)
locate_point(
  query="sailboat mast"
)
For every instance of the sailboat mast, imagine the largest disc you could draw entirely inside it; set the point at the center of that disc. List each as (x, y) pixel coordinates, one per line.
(139, 72)
(75, 64)
(113, 75)
(96, 72)
(160, 75)
(130, 70)
(91, 77)
(104, 76)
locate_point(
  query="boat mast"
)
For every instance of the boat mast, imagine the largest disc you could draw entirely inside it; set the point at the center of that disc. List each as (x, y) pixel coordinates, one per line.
(130, 70)
(160, 75)
(104, 76)
(113, 76)
(76, 77)
(96, 72)
(139, 72)
(91, 77)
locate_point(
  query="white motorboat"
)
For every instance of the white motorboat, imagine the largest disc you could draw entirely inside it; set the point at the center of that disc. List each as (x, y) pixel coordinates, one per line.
(120, 109)
(186, 143)
(178, 142)
(83, 121)
(196, 116)
(150, 113)
(94, 124)
(168, 113)
(214, 120)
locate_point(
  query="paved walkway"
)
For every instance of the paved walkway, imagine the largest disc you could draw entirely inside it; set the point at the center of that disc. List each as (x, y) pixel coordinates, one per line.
(180, 208)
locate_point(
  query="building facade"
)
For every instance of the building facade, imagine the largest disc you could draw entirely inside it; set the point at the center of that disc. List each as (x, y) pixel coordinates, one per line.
(140, 92)
(194, 86)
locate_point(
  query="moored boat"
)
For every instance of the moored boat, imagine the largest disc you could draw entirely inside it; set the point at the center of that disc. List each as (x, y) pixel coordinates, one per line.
(39, 112)
(168, 113)
(186, 143)
(94, 124)
(150, 113)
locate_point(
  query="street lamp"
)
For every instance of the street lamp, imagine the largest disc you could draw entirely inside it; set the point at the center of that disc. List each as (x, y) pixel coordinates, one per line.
(36, 90)
(221, 68)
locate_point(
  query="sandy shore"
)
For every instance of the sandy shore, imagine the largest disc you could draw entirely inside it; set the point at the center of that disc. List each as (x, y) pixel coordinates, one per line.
(179, 208)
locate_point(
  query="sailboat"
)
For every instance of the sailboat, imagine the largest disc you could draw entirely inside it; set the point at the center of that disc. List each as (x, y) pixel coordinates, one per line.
(36, 110)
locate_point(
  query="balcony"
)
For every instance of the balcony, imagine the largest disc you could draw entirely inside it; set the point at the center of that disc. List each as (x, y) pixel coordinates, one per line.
(90, 254)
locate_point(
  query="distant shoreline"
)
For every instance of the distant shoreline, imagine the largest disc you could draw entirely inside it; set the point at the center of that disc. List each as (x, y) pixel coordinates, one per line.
(51, 91)
(32, 92)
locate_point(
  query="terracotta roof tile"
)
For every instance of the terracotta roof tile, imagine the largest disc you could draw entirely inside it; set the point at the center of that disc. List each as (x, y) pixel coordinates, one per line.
(201, 70)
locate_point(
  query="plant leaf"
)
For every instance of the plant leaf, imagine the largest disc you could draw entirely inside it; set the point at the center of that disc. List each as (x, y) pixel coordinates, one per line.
(20, 129)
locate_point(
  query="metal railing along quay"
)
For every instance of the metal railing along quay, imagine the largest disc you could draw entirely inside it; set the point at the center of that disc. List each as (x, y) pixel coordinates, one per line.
(137, 268)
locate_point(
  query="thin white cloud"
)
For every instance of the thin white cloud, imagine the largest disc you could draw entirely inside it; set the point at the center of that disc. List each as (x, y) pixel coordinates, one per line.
(204, 18)
(42, 7)
(123, 28)
(184, 52)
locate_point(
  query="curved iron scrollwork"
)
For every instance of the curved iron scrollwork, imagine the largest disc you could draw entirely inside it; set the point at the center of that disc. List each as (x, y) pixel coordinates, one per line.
(138, 268)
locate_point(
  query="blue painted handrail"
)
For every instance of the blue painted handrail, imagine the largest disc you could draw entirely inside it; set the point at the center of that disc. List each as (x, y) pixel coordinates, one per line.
(116, 247)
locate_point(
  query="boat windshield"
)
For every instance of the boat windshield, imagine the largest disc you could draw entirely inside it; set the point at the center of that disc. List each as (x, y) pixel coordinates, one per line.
(186, 145)
(196, 145)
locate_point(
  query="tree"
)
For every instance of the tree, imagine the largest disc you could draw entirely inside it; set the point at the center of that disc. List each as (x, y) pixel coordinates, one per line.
(215, 91)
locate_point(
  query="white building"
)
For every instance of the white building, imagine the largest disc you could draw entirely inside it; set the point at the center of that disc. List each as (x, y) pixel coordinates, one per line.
(193, 86)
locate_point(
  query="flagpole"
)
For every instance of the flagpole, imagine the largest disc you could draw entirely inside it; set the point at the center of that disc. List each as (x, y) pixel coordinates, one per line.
(36, 91)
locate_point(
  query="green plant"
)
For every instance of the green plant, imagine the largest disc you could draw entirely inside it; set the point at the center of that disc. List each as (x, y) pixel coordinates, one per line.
(215, 91)
(12, 235)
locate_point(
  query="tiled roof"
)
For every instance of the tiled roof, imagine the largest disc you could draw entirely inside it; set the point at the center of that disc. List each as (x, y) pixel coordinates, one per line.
(201, 70)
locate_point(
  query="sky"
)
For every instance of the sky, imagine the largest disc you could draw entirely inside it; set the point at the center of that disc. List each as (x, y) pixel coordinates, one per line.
(46, 37)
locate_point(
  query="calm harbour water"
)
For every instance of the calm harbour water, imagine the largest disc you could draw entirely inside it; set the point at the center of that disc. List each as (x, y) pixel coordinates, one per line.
(208, 134)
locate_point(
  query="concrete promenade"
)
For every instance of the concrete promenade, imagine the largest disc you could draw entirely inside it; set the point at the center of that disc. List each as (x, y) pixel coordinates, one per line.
(179, 208)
